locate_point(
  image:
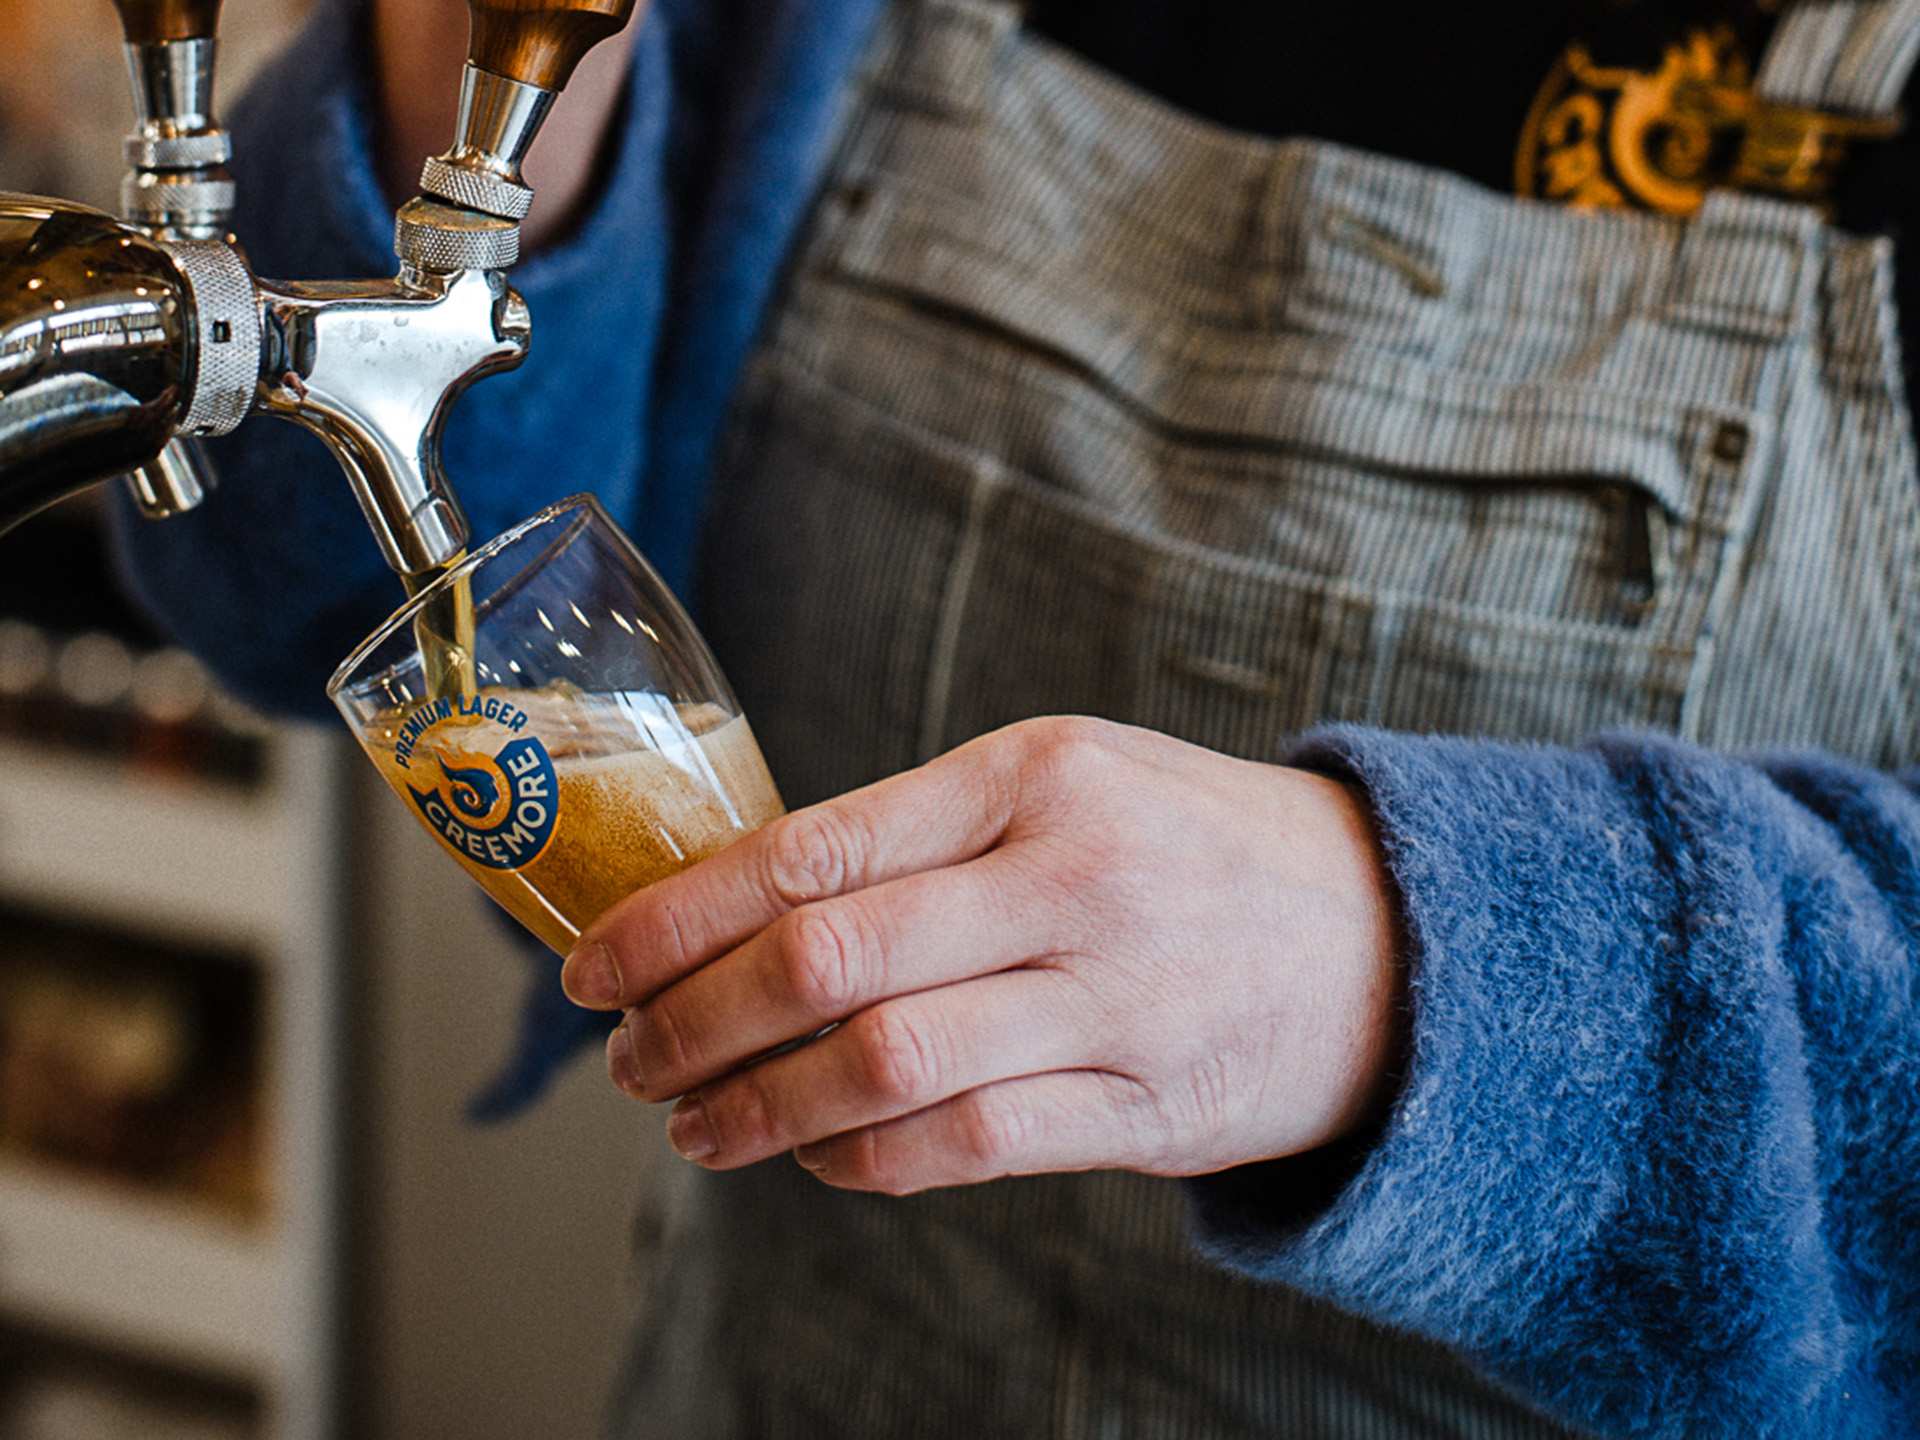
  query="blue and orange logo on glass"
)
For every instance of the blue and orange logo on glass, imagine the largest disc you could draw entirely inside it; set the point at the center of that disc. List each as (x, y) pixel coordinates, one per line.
(498, 809)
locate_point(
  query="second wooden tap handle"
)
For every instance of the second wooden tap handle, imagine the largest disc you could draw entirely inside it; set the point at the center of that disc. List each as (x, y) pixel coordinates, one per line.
(538, 42)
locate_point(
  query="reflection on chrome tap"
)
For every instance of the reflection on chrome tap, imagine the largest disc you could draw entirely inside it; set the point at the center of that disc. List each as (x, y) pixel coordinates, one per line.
(94, 351)
(177, 187)
(112, 342)
(175, 481)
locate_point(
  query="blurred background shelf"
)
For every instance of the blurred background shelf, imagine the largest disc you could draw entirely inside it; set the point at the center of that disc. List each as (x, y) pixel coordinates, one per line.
(85, 834)
(165, 1279)
(173, 969)
(175, 1177)
(243, 1003)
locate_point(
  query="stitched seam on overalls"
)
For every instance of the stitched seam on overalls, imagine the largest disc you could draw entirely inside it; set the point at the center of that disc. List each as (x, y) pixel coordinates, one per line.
(1286, 355)
(1680, 598)
(1538, 298)
(1115, 571)
(1437, 493)
(1288, 364)
(1095, 395)
(939, 59)
(985, 480)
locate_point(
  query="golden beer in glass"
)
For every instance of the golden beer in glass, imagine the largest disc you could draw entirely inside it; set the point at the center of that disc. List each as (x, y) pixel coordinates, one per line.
(575, 741)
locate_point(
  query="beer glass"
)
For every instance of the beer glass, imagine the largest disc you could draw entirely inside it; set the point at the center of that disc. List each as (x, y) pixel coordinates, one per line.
(548, 712)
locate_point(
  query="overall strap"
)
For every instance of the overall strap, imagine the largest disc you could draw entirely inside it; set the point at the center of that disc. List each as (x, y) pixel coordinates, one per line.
(1850, 57)
(1833, 74)
(942, 54)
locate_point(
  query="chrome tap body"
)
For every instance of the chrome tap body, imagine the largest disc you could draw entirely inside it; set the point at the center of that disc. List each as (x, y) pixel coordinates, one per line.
(112, 343)
(95, 349)
(370, 366)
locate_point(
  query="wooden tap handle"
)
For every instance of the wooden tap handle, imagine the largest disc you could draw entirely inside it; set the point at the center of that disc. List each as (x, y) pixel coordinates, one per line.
(152, 22)
(538, 42)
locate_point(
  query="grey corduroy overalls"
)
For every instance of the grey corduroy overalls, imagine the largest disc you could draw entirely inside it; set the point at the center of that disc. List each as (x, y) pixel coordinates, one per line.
(1075, 404)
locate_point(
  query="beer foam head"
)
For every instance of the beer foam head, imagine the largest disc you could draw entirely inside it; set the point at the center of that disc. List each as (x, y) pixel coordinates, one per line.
(575, 723)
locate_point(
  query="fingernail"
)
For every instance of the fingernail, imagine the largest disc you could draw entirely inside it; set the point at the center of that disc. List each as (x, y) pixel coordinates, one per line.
(620, 1063)
(688, 1130)
(589, 977)
(811, 1160)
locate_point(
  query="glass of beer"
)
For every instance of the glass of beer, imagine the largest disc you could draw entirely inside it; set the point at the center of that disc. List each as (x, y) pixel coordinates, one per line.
(548, 712)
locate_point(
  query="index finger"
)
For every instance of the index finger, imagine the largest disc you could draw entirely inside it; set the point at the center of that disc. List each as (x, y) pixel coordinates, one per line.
(946, 812)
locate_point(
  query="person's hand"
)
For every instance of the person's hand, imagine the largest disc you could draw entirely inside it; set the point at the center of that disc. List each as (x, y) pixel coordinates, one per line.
(1068, 945)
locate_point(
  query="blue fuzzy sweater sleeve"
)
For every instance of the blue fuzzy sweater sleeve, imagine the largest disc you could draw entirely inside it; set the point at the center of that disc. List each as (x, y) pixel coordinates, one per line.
(1655, 1160)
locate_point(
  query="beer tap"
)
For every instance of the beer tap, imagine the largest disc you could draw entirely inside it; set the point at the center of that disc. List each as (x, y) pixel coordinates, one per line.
(177, 186)
(117, 337)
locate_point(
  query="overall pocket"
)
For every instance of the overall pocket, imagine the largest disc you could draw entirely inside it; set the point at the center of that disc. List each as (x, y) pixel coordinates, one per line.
(1229, 536)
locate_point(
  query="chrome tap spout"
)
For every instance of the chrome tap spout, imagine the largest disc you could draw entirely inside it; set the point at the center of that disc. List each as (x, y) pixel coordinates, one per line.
(118, 337)
(372, 368)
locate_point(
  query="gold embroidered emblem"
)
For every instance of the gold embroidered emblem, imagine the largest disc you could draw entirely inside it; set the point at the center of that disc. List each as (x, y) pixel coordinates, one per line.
(1600, 136)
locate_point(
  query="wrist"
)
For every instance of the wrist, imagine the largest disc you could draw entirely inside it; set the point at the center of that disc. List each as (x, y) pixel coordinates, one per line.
(1374, 1017)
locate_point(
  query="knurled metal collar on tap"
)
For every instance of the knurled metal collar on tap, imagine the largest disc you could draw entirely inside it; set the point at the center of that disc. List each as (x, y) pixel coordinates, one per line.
(177, 152)
(429, 235)
(226, 339)
(475, 189)
(168, 197)
(472, 199)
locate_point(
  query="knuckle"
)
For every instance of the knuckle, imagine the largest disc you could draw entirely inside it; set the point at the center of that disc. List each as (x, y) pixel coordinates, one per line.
(744, 1114)
(670, 930)
(650, 939)
(665, 1045)
(992, 1130)
(1071, 750)
(900, 1061)
(1154, 1132)
(1164, 1129)
(820, 949)
(1209, 1094)
(814, 853)
(863, 1163)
